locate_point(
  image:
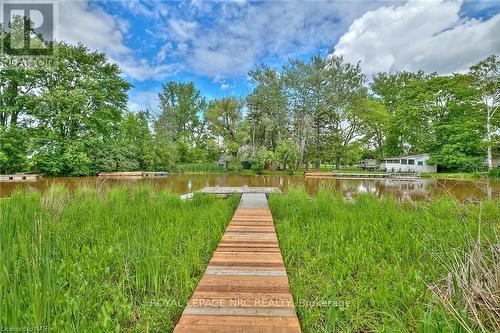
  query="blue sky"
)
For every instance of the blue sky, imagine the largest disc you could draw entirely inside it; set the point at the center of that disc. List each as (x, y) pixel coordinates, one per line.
(216, 43)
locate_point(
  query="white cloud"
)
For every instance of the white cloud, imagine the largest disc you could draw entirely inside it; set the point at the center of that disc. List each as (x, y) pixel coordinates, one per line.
(234, 36)
(183, 30)
(423, 35)
(80, 21)
(163, 52)
(141, 100)
(141, 69)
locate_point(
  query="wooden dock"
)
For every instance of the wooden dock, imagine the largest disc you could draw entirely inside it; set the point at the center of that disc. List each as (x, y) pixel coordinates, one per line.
(154, 174)
(341, 175)
(133, 174)
(20, 177)
(245, 287)
(226, 191)
(238, 190)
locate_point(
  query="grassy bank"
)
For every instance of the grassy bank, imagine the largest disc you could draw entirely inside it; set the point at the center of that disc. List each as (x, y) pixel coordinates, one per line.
(368, 265)
(203, 168)
(454, 175)
(126, 259)
(199, 168)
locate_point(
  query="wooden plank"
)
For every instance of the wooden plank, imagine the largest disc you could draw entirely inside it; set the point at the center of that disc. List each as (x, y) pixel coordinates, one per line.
(245, 287)
(245, 272)
(247, 256)
(236, 324)
(236, 267)
(248, 249)
(242, 300)
(240, 311)
(224, 329)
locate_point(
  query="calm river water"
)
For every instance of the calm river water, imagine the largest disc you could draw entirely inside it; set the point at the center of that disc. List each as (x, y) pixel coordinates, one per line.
(422, 189)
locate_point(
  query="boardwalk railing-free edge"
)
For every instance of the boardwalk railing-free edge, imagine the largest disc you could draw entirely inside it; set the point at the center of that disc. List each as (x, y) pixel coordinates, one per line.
(245, 287)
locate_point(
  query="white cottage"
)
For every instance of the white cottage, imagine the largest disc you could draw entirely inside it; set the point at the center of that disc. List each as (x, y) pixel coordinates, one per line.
(409, 163)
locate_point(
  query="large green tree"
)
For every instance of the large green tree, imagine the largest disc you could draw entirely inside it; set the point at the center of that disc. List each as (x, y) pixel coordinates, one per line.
(389, 89)
(81, 104)
(131, 147)
(325, 96)
(267, 108)
(306, 89)
(181, 119)
(224, 119)
(182, 109)
(18, 97)
(440, 116)
(345, 94)
(487, 82)
(301, 107)
(375, 123)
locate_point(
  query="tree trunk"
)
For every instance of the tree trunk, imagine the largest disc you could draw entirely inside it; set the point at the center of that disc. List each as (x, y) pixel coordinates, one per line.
(488, 138)
(337, 162)
(302, 147)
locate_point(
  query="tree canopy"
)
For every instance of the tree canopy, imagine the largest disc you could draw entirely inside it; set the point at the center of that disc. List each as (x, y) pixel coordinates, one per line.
(72, 119)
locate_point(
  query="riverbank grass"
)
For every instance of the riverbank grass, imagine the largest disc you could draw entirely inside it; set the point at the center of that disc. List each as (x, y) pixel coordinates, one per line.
(123, 260)
(370, 264)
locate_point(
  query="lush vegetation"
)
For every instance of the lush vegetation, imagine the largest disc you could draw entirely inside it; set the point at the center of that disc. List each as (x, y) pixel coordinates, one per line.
(125, 259)
(72, 118)
(379, 263)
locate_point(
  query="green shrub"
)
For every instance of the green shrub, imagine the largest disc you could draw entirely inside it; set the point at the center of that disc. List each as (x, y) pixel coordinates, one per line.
(210, 167)
(257, 167)
(494, 173)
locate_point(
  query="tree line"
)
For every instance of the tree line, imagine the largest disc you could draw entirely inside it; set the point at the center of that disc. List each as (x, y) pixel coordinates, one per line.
(333, 113)
(72, 119)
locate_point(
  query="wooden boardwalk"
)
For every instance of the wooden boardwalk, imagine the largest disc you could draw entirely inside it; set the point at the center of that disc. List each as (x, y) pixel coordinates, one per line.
(245, 288)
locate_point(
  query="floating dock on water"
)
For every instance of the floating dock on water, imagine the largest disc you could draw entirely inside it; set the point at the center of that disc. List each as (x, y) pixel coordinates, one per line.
(245, 287)
(20, 177)
(238, 190)
(133, 174)
(342, 175)
(227, 190)
(154, 174)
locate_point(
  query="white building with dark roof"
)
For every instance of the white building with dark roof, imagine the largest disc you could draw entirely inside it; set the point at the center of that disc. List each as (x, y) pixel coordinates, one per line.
(409, 163)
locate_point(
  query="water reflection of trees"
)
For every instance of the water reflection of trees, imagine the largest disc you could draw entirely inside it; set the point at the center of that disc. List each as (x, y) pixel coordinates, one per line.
(423, 189)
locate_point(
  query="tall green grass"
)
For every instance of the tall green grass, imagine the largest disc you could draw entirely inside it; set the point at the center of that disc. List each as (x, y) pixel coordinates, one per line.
(368, 265)
(122, 260)
(201, 168)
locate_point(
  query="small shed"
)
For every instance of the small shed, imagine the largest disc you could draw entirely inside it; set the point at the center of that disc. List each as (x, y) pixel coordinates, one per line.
(368, 164)
(223, 162)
